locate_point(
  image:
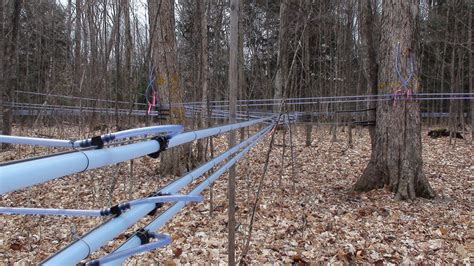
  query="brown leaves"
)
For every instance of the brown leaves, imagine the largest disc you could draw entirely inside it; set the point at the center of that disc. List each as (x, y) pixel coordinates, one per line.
(16, 246)
(319, 221)
(177, 252)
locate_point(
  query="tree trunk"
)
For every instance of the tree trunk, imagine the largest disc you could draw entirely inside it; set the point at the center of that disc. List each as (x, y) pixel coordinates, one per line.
(118, 74)
(165, 58)
(471, 80)
(10, 67)
(282, 59)
(2, 56)
(242, 80)
(233, 90)
(369, 62)
(307, 81)
(397, 161)
(128, 58)
(204, 75)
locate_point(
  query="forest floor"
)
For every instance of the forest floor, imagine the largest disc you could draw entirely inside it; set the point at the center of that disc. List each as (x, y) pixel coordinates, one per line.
(308, 216)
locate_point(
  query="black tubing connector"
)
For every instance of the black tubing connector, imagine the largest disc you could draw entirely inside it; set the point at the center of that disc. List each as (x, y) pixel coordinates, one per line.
(163, 141)
(115, 210)
(144, 236)
(158, 204)
(97, 141)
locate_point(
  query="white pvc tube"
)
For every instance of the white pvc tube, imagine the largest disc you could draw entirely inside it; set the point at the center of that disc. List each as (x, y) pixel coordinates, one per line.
(75, 212)
(24, 174)
(171, 130)
(44, 211)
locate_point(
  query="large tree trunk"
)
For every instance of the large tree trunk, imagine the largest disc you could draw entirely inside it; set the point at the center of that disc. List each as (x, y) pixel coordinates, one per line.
(165, 61)
(396, 160)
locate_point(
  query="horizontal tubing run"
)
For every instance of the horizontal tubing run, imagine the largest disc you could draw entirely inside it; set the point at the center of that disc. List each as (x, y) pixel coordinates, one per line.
(76, 212)
(171, 130)
(24, 174)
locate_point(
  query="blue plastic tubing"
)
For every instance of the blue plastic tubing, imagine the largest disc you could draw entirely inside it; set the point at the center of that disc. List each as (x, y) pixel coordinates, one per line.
(170, 130)
(100, 236)
(74, 212)
(135, 241)
(24, 174)
(162, 241)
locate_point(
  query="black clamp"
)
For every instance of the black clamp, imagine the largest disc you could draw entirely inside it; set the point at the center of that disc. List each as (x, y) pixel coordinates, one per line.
(115, 210)
(97, 141)
(158, 204)
(144, 236)
(163, 141)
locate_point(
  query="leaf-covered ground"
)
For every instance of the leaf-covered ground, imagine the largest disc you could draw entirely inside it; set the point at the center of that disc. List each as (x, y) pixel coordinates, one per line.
(305, 214)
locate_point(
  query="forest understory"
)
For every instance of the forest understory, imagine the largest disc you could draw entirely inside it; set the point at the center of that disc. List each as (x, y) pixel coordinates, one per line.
(308, 216)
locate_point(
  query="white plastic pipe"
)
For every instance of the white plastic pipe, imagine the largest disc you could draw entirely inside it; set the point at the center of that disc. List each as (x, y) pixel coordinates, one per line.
(171, 130)
(104, 212)
(24, 174)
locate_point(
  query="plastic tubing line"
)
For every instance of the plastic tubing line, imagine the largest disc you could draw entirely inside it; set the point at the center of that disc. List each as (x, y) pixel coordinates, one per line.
(303, 98)
(73, 97)
(45, 211)
(163, 199)
(79, 111)
(28, 173)
(32, 172)
(312, 99)
(163, 240)
(171, 130)
(100, 236)
(75, 212)
(203, 133)
(66, 108)
(135, 241)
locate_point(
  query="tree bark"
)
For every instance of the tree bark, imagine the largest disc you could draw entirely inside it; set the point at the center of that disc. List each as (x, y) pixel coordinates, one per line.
(204, 67)
(397, 161)
(2, 56)
(165, 60)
